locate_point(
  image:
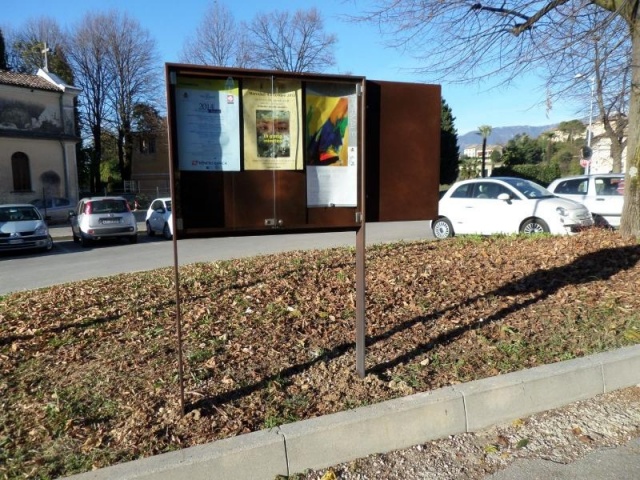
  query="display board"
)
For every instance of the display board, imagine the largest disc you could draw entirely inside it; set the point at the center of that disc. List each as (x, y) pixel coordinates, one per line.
(265, 152)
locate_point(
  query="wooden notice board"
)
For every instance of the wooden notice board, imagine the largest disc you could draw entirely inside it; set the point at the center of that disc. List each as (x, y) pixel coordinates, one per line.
(264, 152)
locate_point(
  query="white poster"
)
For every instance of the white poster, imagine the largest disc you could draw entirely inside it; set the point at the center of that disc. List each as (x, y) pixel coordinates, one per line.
(208, 124)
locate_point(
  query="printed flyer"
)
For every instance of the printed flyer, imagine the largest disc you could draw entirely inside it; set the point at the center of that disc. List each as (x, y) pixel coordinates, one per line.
(272, 112)
(331, 144)
(208, 119)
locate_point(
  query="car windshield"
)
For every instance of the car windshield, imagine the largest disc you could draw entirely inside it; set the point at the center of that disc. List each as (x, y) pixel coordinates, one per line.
(528, 189)
(18, 214)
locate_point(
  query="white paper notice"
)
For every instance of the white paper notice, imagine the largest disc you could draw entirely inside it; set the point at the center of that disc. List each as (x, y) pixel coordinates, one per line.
(208, 124)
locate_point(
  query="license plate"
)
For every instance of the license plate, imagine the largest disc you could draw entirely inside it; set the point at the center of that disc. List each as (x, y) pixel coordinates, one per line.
(16, 241)
(109, 221)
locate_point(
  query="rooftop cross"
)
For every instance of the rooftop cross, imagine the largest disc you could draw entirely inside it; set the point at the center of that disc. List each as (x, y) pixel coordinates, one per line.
(44, 51)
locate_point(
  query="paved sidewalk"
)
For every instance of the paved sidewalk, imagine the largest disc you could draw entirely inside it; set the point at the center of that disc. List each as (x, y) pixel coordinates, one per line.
(620, 463)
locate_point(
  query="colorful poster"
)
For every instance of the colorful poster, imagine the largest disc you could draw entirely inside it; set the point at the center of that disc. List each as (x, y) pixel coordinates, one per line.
(331, 144)
(272, 113)
(208, 120)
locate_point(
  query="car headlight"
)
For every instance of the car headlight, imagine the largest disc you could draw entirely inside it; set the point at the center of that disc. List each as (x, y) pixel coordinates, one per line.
(562, 211)
(41, 230)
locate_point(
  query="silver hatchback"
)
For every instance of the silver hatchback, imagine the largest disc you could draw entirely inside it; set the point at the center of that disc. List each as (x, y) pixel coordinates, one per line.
(98, 218)
(22, 227)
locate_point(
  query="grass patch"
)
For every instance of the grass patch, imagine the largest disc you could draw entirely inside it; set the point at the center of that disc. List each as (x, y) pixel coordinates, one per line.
(88, 371)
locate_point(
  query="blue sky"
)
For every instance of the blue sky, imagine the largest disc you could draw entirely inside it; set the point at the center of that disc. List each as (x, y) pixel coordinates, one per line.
(359, 52)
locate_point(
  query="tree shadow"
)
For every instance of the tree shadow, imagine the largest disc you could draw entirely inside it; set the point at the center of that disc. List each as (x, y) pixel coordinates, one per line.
(595, 266)
(592, 267)
(60, 329)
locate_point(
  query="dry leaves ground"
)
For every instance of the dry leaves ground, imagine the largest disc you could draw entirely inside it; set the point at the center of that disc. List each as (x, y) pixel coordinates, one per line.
(89, 372)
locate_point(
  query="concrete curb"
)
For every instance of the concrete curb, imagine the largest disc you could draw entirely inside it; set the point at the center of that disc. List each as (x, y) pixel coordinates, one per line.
(395, 424)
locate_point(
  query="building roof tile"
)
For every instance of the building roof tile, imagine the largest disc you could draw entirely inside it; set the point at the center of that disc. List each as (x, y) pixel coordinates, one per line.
(26, 81)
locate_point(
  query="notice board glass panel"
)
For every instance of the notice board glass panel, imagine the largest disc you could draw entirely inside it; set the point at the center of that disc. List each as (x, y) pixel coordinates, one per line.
(255, 150)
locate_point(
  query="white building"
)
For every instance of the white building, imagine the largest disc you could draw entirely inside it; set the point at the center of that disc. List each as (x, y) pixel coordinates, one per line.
(37, 137)
(601, 160)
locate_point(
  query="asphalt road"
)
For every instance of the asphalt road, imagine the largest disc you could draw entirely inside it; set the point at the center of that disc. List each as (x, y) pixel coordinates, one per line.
(69, 262)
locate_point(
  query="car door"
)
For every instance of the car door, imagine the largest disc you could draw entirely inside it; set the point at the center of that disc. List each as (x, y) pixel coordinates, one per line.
(60, 209)
(458, 207)
(605, 199)
(493, 215)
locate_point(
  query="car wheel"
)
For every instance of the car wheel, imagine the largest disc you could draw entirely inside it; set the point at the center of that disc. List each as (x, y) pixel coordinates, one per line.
(84, 241)
(150, 231)
(534, 225)
(442, 228)
(49, 245)
(133, 239)
(166, 231)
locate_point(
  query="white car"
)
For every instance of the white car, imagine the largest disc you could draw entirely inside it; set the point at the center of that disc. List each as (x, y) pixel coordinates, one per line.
(159, 219)
(506, 205)
(22, 227)
(99, 218)
(602, 194)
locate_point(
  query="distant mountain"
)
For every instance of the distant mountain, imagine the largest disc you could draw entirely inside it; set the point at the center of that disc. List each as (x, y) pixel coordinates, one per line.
(501, 135)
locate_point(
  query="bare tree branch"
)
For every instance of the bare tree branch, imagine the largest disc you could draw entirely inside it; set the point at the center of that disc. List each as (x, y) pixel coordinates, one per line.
(294, 43)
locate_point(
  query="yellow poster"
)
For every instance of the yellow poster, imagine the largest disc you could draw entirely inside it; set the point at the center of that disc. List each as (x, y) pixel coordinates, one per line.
(272, 112)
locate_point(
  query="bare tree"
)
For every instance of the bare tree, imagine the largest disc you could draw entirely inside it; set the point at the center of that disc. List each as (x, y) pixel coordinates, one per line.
(218, 40)
(40, 43)
(594, 68)
(89, 57)
(501, 39)
(291, 42)
(134, 64)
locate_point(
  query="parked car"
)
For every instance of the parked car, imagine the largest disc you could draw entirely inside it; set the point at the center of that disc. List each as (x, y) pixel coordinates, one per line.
(22, 227)
(506, 205)
(159, 218)
(53, 210)
(602, 194)
(98, 218)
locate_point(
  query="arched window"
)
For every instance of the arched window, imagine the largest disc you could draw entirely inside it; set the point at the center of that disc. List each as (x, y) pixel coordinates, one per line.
(21, 172)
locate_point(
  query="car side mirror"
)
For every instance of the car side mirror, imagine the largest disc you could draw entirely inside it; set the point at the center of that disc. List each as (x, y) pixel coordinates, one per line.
(72, 213)
(504, 196)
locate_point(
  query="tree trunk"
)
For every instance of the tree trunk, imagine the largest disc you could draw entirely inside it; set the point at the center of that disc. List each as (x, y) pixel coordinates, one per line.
(630, 223)
(484, 156)
(615, 134)
(96, 159)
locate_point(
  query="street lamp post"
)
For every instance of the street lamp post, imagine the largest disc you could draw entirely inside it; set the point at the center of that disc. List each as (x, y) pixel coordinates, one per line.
(590, 128)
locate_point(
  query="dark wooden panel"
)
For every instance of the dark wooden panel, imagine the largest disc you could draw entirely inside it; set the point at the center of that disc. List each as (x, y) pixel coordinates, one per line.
(402, 151)
(201, 197)
(328, 217)
(252, 197)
